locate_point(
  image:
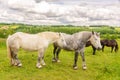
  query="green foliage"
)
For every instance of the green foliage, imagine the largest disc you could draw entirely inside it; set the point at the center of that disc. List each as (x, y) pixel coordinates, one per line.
(5, 33)
(106, 32)
(2, 42)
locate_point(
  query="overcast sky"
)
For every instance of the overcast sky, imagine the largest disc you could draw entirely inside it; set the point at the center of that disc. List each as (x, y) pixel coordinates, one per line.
(58, 12)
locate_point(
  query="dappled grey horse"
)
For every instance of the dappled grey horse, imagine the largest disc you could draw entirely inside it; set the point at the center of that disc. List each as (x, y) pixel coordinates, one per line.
(76, 42)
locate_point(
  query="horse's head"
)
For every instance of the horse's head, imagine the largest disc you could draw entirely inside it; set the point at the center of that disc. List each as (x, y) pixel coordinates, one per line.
(61, 41)
(95, 40)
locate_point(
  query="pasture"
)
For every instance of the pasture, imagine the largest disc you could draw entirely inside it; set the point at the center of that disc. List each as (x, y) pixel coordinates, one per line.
(102, 66)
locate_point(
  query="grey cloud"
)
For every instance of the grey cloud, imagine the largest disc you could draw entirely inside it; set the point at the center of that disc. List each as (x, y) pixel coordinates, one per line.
(37, 12)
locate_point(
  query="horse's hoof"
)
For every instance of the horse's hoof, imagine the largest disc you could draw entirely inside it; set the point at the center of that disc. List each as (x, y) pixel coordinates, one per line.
(84, 67)
(58, 61)
(12, 64)
(75, 68)
(43, 64)
(16, 64)
(53, 60)
(19, 65)
(39, 66)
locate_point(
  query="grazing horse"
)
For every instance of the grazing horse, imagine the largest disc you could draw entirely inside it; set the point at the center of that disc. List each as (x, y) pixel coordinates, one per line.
(31, 42)
(109, 43)
(76, 42)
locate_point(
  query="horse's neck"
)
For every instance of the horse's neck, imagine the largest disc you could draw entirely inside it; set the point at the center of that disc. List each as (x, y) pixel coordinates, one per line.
(51, 41)
(83, 37)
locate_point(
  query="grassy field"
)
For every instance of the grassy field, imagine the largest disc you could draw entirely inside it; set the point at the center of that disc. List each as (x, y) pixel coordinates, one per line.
(102, 66)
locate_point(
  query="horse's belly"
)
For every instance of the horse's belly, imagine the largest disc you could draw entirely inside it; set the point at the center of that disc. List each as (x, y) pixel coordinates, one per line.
(68, 48)
(33, 43)
(29, 48)
(34, 46)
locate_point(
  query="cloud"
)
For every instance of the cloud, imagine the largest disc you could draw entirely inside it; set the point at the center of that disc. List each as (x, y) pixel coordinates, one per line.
(51, 12)
(21, 4)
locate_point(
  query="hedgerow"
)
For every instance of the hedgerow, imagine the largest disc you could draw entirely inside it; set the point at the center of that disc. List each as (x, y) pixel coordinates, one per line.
(106, 32)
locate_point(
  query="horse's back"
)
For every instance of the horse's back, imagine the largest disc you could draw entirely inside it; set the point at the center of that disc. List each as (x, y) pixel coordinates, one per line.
(107, 42)
(82, 34)
(48, 34)
(69, 42)
(27, 41)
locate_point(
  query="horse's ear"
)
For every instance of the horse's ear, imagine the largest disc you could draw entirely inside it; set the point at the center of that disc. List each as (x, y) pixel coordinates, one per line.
(98, 34)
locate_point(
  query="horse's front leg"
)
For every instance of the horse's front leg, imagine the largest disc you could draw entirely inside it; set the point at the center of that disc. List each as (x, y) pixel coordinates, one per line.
(38, 65)
(57, 55)
(40, 59)
(43, 62)
(83, 60)
(94, 50)
(103, 48)
(54, 53)
(112, 49)
(75, 61)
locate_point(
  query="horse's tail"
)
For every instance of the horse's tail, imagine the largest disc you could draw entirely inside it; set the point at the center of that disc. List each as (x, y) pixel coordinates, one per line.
(9, 52)
(116, 48)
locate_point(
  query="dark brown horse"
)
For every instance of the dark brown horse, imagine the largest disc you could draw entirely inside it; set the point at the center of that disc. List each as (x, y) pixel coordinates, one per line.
(89, 44)
(109, 43)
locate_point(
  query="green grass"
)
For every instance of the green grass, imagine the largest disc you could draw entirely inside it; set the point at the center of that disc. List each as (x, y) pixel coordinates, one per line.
(102, 66)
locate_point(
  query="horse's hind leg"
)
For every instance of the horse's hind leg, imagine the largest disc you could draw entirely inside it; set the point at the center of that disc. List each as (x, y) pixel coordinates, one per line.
(15, 60)
(12, 59)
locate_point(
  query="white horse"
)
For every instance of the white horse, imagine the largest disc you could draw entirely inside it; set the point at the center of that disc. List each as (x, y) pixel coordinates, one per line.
(31, 42)
(76, 42)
